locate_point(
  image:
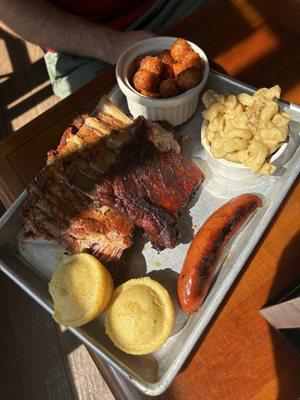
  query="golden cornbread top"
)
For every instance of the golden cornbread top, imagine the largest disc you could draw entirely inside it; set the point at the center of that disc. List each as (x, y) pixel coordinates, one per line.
(81, 288)
(142, 302)
(140, 316)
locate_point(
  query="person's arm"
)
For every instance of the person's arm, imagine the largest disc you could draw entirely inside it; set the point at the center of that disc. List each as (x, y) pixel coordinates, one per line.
(40, 22)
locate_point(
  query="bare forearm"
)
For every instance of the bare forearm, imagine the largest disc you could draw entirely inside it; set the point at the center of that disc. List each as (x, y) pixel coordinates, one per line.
(50, 27)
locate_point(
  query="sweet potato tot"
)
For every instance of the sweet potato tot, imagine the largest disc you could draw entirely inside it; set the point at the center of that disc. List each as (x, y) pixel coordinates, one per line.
(192, 59)
(145, 81)
(166, 57)
(178, 68)
(179, 49)
(169, 88)
(152, 64)
(168, 72)
(189, 78)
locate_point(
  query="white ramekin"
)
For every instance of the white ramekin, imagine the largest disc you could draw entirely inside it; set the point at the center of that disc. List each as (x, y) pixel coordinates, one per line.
(228, 169)
(175, 110)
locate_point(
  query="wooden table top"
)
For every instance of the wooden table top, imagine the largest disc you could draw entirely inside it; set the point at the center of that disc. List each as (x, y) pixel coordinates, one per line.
(240, 356)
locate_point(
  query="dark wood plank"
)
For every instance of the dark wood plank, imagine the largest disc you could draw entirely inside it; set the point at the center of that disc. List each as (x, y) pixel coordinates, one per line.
(25, 90)
(30, 350)
(2, 208)
(42, 360)
(84, 98)
(241, 356)
(11, 185)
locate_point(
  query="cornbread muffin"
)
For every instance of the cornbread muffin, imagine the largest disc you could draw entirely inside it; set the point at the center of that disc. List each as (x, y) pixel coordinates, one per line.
(81, 289)
(140, 316)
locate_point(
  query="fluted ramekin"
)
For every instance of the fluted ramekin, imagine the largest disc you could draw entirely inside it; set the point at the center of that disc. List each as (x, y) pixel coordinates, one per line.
(175, 110)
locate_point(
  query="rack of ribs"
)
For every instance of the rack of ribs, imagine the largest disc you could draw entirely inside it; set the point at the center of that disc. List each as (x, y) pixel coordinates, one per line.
(108, 174)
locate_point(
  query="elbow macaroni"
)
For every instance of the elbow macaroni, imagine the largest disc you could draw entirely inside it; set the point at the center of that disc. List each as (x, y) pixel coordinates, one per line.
(245, 129)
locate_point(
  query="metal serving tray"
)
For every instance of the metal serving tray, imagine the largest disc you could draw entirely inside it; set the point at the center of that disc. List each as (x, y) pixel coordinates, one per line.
(31, 266)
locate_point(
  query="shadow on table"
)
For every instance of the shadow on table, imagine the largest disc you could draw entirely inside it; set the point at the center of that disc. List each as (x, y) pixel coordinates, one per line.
(270, 28)
(286, 359)
(34, 352)
(25, 86)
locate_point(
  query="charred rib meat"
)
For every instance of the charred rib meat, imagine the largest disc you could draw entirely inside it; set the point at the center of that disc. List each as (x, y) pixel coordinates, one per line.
(107, 173)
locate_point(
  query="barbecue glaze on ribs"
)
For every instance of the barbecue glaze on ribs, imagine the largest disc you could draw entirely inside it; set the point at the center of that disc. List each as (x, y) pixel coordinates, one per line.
(109, 173)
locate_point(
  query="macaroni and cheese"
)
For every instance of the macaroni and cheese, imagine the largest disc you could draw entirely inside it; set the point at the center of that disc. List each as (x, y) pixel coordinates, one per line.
(245, 129)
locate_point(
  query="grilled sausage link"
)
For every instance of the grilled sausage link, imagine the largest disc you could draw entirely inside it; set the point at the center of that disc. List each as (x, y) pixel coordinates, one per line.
(207, 246)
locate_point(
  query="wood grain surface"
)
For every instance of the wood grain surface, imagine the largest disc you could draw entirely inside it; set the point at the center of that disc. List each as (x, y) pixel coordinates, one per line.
(240, 356)
(25, 89)
(39, 359)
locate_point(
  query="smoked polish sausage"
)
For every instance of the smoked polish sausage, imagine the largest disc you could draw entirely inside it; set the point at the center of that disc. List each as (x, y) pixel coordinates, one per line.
(207, 246)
